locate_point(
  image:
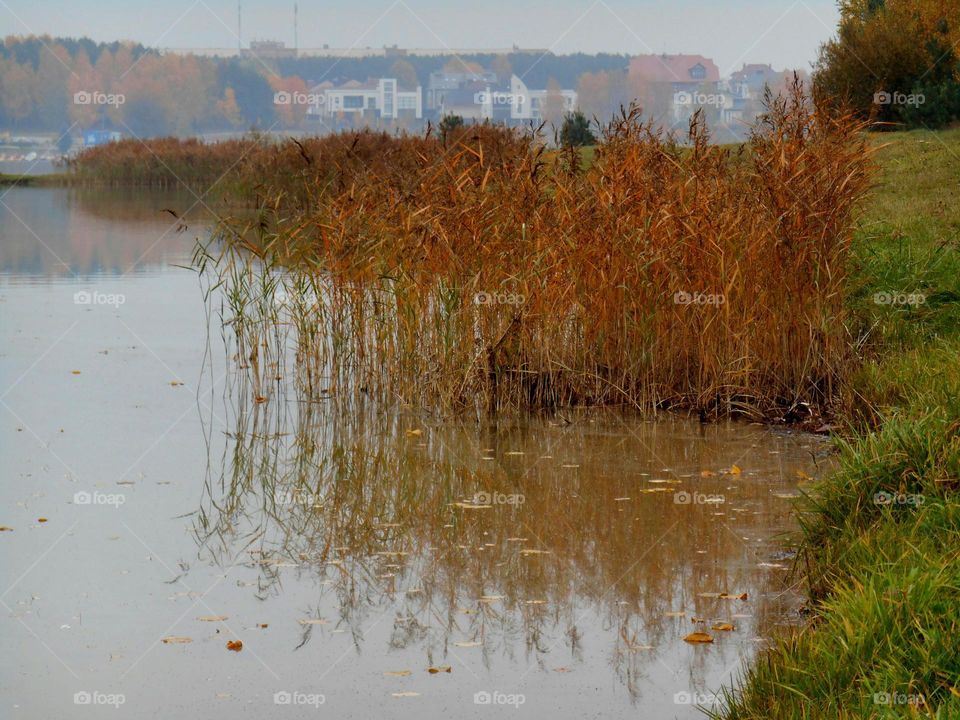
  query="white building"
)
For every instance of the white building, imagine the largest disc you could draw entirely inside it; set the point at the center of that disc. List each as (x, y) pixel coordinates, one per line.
(375, 99)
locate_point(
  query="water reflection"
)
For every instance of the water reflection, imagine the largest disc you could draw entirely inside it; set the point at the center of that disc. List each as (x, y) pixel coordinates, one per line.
(58, 232)
(521, 541)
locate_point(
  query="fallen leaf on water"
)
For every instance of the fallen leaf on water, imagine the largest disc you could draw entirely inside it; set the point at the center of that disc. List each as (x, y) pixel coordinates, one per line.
(260, 399)
(415, 431)
(733, 596)
(723, 627)
(396, 673)
(262, 625)
(313, 621)
(698, 637)
(468, 643)
(707, 473)
(212, 618)
(535, 602)
(176, 640)
(490, 598)
(439, 669)
(408, 693)
(4, 528)
(75, 372)
(735, 470)
(234, 645)
(41, 519)
(674, 614)
(697, 620)
(175, 383)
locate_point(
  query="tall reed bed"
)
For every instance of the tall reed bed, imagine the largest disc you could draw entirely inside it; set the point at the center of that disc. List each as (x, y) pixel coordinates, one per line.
(476, 271)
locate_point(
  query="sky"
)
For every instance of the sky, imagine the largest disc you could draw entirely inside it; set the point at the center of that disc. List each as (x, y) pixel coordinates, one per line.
(785, 33)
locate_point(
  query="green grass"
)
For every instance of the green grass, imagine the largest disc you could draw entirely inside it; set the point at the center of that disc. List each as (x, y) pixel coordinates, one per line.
(884, 579)
(32, 180)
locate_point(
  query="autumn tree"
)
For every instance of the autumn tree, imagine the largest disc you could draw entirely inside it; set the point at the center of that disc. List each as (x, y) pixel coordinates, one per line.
(405, 74)
(895, 60)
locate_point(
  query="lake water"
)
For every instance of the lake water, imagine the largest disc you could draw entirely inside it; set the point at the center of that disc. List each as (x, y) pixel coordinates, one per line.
(158, 510)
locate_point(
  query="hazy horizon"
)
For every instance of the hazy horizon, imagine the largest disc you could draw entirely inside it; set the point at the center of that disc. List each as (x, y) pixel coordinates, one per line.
(784, 33)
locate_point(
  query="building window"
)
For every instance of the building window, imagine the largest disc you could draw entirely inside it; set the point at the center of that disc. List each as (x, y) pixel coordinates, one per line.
(353, 102)
(698, 72)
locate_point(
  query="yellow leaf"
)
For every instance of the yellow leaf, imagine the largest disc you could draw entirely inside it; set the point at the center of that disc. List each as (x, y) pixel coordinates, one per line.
(723, 627)
(735, 470)
(439, 669)
(234, 645)
(415, 431)
(698, 637)
(396, 673)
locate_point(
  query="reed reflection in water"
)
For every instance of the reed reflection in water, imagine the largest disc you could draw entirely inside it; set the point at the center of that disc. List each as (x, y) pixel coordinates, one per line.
(516, 544)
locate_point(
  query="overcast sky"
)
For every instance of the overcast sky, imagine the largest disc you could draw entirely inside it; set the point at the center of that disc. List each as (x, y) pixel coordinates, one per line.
(785, 33)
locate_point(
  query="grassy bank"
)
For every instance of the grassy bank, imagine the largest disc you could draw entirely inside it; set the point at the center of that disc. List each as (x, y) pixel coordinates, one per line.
(881, 536)
(33, 180)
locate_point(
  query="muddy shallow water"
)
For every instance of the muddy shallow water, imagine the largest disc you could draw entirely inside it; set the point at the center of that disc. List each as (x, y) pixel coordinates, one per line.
(539, 568)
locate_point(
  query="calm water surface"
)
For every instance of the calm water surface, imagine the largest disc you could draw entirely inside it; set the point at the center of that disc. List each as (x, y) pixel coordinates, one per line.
(553, 568)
